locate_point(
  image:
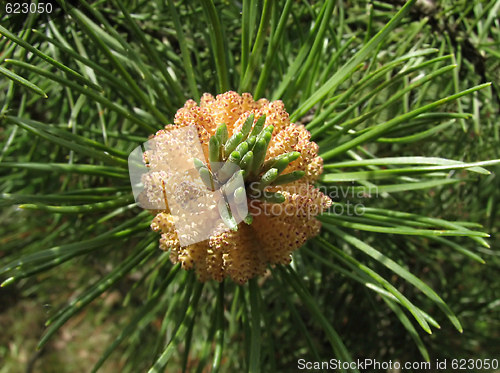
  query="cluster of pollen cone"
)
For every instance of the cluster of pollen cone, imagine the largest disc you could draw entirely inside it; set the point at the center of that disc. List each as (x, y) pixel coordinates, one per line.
(275, 164)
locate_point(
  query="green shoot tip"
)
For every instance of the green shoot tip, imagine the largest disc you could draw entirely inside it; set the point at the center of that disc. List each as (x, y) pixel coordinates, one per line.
(7, 282)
